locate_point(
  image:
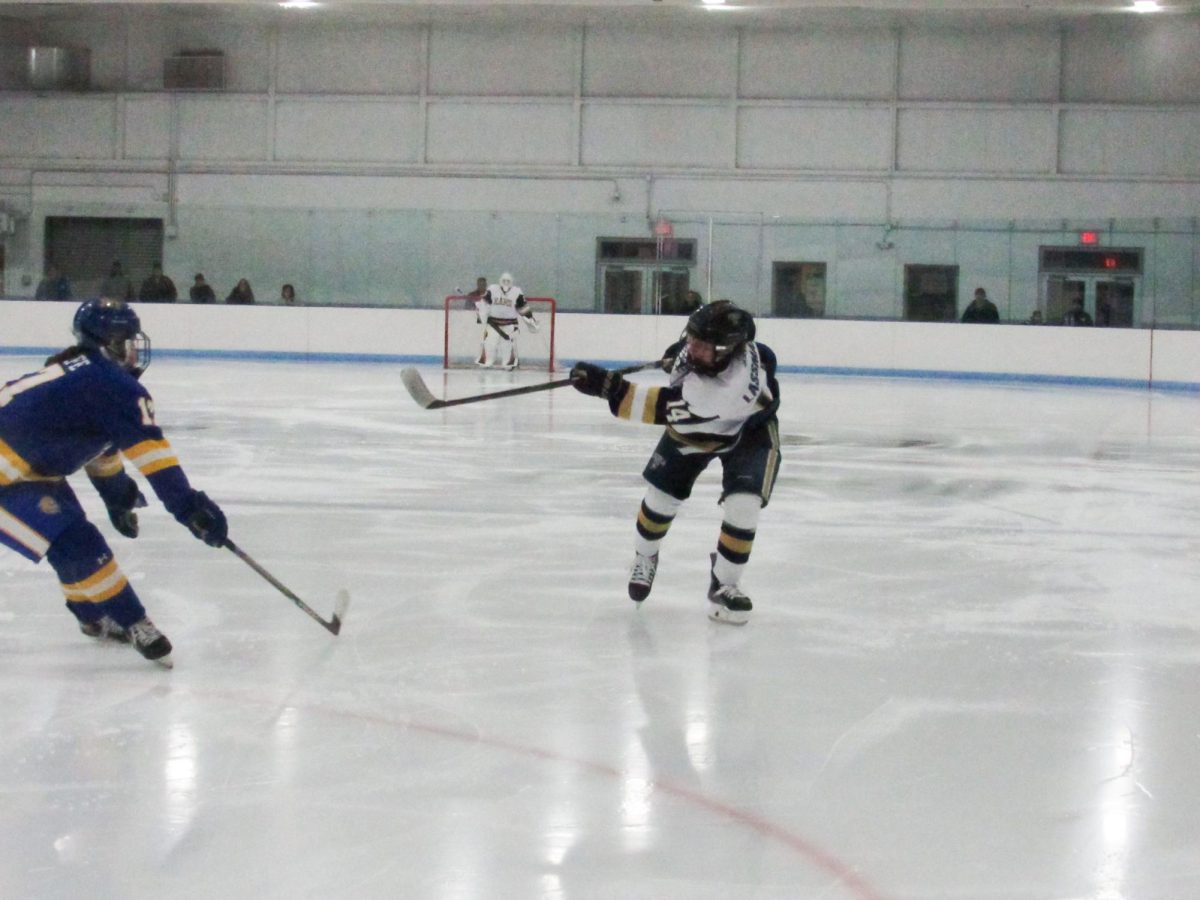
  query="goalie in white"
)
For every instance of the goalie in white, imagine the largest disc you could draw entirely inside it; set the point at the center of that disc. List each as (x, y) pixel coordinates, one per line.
(720, 404)
(501, 308)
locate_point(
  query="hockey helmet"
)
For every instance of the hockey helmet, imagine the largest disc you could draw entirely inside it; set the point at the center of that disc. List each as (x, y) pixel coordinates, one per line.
(113, 328)
(506, 281)
(724, 325)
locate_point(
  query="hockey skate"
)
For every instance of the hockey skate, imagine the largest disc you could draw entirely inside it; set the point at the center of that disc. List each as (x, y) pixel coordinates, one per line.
(726, 602)
(641, 576)
(105, 629)
(151, 643)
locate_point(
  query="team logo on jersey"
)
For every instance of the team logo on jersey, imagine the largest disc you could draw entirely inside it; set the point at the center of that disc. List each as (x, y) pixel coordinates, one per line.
(657, 461)
(49, 506)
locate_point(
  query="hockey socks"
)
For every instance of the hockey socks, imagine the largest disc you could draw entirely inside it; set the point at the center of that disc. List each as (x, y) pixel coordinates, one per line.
(654, 520)
(728, 603)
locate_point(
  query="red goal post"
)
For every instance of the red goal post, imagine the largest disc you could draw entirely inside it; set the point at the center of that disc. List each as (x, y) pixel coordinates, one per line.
(463, 334)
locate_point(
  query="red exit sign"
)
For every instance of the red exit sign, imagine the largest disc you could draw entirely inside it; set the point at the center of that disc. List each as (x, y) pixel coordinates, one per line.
(1089, 237)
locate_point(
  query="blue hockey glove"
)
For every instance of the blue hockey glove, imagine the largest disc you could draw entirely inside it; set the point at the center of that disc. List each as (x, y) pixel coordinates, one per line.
(205, 520)
(121, 511)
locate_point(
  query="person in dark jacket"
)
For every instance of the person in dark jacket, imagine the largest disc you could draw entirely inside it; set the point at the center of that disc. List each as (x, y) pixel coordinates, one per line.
(981, 309)
(241, 293)
(201, 291)
(54, 286)
(158, 288)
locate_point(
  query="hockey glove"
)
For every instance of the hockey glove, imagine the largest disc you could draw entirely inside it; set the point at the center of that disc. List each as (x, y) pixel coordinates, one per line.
(595, 381)
(205, 520)
(530, 322)
(121, 511)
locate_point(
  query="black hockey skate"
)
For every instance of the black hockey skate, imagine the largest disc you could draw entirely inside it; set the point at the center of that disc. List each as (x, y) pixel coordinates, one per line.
(105, 629)
(151, 643)
(641, 576)
(726, 602)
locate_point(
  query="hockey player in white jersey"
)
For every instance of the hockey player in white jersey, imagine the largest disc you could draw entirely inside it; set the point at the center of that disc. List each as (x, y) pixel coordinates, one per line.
(502, 306)
(720, 403)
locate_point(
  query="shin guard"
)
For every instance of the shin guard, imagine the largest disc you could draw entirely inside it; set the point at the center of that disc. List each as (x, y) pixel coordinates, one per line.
(654, 520)
(91, 580)
(737, 536)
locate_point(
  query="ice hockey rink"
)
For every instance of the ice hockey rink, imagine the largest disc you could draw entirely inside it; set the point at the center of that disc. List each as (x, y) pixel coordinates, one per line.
(972, 672)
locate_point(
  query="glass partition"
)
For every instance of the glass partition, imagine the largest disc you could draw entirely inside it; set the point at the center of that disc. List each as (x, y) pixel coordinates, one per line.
(1134, 273)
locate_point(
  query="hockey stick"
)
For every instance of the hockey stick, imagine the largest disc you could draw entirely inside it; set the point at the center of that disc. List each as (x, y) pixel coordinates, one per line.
(425, 399)
(333, 626)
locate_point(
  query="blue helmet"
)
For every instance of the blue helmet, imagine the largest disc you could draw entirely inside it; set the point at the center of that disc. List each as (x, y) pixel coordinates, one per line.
(113, 328)
(724, 325)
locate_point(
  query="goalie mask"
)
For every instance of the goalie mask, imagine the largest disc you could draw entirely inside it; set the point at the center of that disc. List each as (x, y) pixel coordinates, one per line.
(113, 328)
(723, 325)
(506, 281)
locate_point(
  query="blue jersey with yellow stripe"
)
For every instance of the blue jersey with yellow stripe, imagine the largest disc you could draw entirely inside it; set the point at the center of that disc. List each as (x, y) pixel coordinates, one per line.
(81, 413)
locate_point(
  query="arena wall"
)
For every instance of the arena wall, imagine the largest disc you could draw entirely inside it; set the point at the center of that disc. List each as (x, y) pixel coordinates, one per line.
(1114, 357)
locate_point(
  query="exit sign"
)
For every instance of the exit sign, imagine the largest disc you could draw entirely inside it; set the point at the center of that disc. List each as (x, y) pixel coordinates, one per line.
(1089, 237)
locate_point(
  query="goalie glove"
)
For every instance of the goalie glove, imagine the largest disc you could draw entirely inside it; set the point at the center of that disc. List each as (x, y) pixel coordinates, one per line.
(596, 381)
(530, 322)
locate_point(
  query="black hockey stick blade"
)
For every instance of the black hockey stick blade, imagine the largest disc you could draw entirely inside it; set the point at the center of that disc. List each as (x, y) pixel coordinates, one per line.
(425, 399)
(333, 625)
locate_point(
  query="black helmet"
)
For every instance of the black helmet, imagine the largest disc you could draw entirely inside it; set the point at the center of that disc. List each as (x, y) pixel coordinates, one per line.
(109, 326)
(726, 326)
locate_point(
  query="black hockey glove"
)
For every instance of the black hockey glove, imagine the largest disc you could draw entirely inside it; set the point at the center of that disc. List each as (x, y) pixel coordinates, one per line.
(595, 381)
(121, 511)
(205, 520)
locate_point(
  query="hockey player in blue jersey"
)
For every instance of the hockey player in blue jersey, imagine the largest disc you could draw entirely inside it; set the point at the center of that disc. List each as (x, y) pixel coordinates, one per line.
(721, 403)
(85, 410)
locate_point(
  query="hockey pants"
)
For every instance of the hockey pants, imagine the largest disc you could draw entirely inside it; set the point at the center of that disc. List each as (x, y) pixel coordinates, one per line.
(44, 519)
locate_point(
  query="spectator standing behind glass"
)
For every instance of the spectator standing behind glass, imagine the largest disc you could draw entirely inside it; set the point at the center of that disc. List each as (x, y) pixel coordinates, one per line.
(1077, 315)
(287, 295)
(158, 288)
(116, 286)
(54, 286)
(201, 291)
(981, 309)
(241, 293)
(481, 286)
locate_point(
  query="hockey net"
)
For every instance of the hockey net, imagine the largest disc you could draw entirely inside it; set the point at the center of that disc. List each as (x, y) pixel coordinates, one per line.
(464, 334)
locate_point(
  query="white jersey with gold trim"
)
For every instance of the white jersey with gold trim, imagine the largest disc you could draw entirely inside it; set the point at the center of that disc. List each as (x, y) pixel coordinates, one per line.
(707, 413)
(502, 304)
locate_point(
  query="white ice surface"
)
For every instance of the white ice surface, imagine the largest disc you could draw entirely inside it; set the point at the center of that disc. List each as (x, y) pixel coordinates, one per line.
(973, 670)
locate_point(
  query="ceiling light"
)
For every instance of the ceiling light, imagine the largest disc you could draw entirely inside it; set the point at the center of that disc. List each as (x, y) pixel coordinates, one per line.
(714, 2)
(298, 4)
(1146, 6)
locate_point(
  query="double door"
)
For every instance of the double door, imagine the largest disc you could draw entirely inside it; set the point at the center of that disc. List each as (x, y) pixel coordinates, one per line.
(1111, 302)
(634, 289)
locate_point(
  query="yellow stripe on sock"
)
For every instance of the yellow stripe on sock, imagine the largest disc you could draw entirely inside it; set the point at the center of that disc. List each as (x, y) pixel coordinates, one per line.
(98, 587)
